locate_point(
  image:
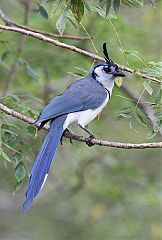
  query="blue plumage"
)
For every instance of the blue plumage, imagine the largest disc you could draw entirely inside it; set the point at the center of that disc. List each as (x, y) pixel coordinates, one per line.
(75, 98)
(82, 101)
(44, 159)
(72, 100)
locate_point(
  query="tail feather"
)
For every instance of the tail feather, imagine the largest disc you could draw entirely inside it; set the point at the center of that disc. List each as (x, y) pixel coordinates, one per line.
(43, 161)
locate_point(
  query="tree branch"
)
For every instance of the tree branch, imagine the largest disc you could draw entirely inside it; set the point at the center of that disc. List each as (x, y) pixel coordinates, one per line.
(81, 138)
(72, 48)
(10, 22)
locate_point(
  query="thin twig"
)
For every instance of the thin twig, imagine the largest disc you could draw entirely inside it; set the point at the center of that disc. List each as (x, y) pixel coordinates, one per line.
(72, 48)
(14, 66)
(119, 41)
(10, 22)
(81, 138)
(144, 106)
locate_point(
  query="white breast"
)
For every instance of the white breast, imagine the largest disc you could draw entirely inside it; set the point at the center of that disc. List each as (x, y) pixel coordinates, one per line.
(84, 117)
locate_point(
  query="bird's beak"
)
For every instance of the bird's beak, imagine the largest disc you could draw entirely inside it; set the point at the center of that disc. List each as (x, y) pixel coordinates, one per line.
(119, 73)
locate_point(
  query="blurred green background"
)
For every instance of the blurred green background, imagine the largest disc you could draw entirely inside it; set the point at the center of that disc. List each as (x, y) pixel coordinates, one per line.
(93, 193)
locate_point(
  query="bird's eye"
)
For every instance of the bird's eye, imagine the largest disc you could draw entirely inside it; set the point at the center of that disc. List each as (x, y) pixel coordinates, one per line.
(107, 69)
(116, 67)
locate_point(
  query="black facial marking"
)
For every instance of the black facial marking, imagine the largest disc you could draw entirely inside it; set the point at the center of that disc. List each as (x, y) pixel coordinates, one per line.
(94, 75)
(110, 67)
(108, 93)
(107, 69)
(116, 67)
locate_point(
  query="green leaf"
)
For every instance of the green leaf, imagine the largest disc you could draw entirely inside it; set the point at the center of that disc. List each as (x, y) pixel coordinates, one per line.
(101, 12)
(108, 7)
(138, 2)
(158, 97)
(11, 127)
(28, 69)
(45, 1)
(156, 127)
(5, 55)
(15, 98)
(154, 69)
(32, 130)
(147, 87)
(87, 7)
(17, 158)
(10, 139)
(125, 113)
(56, 6)
(43, 11)
(73, 24)
(20, 172)
(17, 186)
(9, 101)
(31, 73)
(10, 131)
(61, 23)
(158, 114)
(133, 3)
(77, 8)
(116, 6)
(25, 109)
(32, 113)
(0, 144)
(151, 134)
(141, 117)
(8, 146)
(4, 156)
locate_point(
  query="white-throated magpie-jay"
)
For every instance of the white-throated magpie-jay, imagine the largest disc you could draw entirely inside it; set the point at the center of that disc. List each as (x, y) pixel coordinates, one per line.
(81, 102)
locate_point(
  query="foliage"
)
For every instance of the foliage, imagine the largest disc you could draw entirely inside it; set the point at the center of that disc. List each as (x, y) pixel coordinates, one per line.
(95, 193)
(74, 10)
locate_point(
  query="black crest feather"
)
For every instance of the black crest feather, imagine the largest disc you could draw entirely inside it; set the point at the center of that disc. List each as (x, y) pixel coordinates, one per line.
(106, 55)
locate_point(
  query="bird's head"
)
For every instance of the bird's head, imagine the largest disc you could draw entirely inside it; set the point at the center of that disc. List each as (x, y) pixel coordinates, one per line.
(107, 71)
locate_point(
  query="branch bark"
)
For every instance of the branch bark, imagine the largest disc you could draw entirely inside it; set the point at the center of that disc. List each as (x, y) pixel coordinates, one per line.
(10, 22)
(72, 48)
(81, 138)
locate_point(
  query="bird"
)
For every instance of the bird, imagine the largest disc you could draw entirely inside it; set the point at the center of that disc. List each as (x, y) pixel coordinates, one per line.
(81, 102)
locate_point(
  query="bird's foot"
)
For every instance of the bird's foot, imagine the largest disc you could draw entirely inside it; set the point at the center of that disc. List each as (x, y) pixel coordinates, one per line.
(89, 140)
(61, 140)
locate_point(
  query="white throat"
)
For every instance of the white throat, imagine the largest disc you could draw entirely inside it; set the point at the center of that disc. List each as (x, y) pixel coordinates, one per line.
(107, 80)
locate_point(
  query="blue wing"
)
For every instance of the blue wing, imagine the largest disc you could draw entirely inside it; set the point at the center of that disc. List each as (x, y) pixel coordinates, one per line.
(81, 95)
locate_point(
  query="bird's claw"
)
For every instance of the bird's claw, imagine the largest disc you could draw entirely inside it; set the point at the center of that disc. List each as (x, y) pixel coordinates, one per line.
(61, 140)
(71, 141)
(89, 140)
(68, 131)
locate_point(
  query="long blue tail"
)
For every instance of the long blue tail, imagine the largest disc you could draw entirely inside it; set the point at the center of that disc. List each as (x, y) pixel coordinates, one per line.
(43, 161)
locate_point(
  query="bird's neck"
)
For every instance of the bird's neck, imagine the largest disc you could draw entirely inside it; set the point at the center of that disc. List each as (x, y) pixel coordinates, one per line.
(107, 84)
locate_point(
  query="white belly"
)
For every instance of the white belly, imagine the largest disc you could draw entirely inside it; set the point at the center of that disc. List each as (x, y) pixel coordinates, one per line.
(84, 117)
